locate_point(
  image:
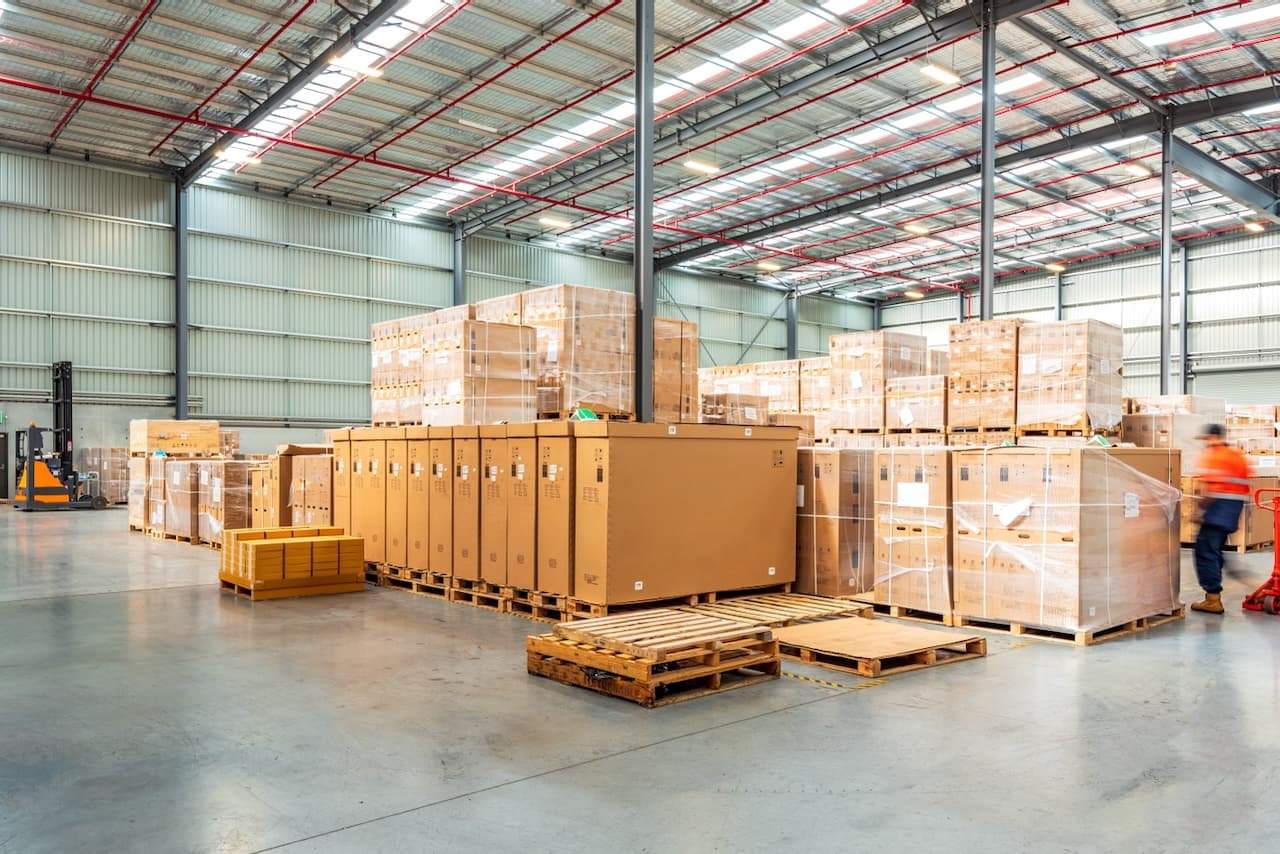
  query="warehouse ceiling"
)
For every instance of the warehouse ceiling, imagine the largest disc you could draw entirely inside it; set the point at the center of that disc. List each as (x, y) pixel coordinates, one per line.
(817, 144)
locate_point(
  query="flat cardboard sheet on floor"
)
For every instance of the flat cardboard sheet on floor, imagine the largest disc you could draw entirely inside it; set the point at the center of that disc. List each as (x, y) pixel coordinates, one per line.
(861, 638)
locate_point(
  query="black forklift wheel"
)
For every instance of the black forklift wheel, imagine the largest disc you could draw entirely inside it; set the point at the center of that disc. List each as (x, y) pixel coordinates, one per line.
(99, 503)
(1271, 604)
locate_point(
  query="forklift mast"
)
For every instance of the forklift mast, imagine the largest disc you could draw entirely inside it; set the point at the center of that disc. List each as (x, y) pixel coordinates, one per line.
(63, 428)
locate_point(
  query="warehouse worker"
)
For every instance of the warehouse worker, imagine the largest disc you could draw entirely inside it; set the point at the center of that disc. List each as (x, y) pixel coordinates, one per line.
(1224, 477)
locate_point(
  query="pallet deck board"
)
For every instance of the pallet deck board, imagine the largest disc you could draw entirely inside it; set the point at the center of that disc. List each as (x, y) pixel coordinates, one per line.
(1082, 637)
(660, 634)
(783, 609)
(873, 648)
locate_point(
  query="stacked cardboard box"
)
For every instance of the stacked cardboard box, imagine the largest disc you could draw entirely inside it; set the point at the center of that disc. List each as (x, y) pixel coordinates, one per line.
(1172, 430)
(815, 394)
(835, 530)
(291, 561)
(1256, 526)
(368, 487)
(1211, 409)
(916, 403)
(224, 500)
(858, 441)
(1069, 376)
(174, 438)
(1246, 422)
(983, 357)
(440, 510)
(155, 495)
(139, 482)
(417, 512)
(939, 362)
(467, 489)
(728, 379)
(586, 347)
(675, 371)
(503, 309)
(522, 506)
(913, 529)
(110, 467)
(742, 409)
(311, 489)
(229, 442)
(478, 373)
(495, 478)
(280, 473)
(182, 498)
(780, 382)
(861, 365)
(259, 494)
(723, 500)
(556, 525)
(1075, 540)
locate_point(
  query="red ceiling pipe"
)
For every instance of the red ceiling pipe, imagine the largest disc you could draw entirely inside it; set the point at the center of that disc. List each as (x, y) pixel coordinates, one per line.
(439, 22)
(700, 98)
(1199, 54)
(482, 84)
(106, 65)
(240, 70)
(578, 100)
(1236, 4)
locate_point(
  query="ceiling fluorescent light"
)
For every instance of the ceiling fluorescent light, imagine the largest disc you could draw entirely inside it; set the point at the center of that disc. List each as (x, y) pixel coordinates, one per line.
(1255, 227)
(913, 121)
(1270, 108)
(1056, 268)
(477, 126)
(700, 166)
(940, 74)
(1244, 19)
(1179, 34)
(357, 63)
(870, 136)
(769, 266)
(915, 228)
(233, 156)
(554, 222)
(913, 294)
(1138, 170)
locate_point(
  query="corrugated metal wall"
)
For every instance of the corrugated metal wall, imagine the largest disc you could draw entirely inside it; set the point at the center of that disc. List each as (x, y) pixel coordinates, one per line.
(86, 261)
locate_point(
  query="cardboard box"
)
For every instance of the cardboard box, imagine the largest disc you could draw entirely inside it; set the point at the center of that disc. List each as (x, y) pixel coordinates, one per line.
(467, 489)
(835, 526)
(139, 480)
(225, 501)
(175, 438)
(1072, 539)
(478, 373)
(916, 403)
(780, 382)
(675, 371)
(503, 309)
(983, 368)
(913, 528)
(586, 347)
(672, 510)
(737, 409)
(259, 495)
(397, 511)
(861, 364)
(557, 502)
(1210, 409)
(522, 506)
(860, 441)
(440, 470)
(110, 468)
(369, 487)
(342, 479)
(495, 473)
(418, 498)
(1178, 431)
(182, 494)
(1069, 376)
(1256, 524)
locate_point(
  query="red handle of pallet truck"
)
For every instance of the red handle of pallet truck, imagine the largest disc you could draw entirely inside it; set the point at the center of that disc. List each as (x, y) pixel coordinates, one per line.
(1273, 505)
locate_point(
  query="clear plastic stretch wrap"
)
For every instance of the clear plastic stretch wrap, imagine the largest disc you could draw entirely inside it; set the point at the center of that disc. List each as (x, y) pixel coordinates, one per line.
(1068, 539)
(229, 442)
(1251, 413)
(111, 468)
(939, 362)
(478, 373)
(139, 481)
(913, 528)
(780, 382)
(155, 493)
(728, 379)
(916, 403)
(1150, 430)
(182, 495)
(815, 394)
(226, 502)
(311, 489)
(675, 371)
(835, 528)
(861, 364)
(1209, 408)
(1069, 375)
(983, 358)
(744, 409)
(188, 438)
(586, 347)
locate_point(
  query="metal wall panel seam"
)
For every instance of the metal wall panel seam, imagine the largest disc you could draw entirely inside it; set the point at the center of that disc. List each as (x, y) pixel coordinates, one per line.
(321, 250)
(255, 378)
(80, 265)
(289, 289)
(96, 217)
(95, 318)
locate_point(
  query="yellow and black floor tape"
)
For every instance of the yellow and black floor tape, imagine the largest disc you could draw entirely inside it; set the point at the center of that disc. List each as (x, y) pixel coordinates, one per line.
(826, 683)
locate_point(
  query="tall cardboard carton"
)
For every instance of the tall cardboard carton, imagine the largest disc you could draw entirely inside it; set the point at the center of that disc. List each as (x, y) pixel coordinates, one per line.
(225, 500)
(586, 347)
(397, 503)
(440, 511)
(717, 504)
(1069, 376)
(556, 465)
(861, 364)
(182, 493)
(317, 472)
(259, 494)
(139, 479)
(495, 464)
(983, 365)
(342, 479)
(478, 373)
(780, 382)
(835, 530)
(155, 494)
(815, 394)
(913, 528)
(522, 506)
(369, 487)
(1072, 539)
(467, 487)
(675, 370)
(418, 494)
(916, 403)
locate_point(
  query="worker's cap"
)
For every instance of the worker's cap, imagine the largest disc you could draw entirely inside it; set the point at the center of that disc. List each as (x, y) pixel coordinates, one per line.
(1212, 431)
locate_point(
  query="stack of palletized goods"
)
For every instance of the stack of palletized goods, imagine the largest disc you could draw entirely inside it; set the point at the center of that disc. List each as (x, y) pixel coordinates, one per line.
(1069, 378)
(862, 363)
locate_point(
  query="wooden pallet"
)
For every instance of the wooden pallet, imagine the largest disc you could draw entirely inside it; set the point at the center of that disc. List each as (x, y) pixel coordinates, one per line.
(898, 612)
(874, 648)
(137, 528)
(478, 594)
(290, 591)
(782, 609)
(1246, 548)
(914, 431)
(389, 571)
(177, 538)
(580, 609)
(699, 671)
(1080, 428)
(600, 416)
(1008, 429)
(546, 607)
(860, 431)
(1076, 638)
(661, 634)
(372, 573)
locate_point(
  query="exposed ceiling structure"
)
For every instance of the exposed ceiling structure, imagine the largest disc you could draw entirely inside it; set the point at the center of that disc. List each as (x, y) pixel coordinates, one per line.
(824, 145)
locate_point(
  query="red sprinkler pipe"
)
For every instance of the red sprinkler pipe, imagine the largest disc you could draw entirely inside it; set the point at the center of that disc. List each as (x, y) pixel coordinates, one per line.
(240, 70)
(106, 65)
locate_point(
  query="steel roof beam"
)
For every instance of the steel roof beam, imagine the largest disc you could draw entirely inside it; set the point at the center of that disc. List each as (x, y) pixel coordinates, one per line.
(956, 24)
(1213, 173)
(1148, 123)
(1067, 53)
(377, 16)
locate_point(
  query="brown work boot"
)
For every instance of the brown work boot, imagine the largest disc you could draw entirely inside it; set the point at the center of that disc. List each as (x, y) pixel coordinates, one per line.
(1212, 604)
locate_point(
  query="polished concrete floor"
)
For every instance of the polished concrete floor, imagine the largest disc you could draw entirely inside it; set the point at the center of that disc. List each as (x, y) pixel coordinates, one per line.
(142, 710)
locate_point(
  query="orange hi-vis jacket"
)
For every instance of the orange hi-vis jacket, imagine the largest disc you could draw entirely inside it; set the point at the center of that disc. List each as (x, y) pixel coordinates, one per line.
(1225, 472)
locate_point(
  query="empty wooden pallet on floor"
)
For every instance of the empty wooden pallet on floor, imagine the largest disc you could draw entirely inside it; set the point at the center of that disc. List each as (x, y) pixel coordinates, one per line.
(874, 648)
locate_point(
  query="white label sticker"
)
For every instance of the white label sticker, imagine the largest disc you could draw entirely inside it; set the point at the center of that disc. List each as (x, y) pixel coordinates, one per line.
(1009, 513)
(749, 412)
(913, 495)
(1028, 364)
(553, 348)
(1106, 366)
(177, 477)
(519, 471)
(217, 493)
(373, 466)
(747, 432)
(442, 357)
(906, 354)
(735, 388)
(905, 416)
(374, 362)
(639, 585)
(1051, 366)
(1131, 504)
(855, 380)
(671, 431)
(493, 473)
(339, 465)
(355, 467)
(857, 352)
(466, 472)
(552, 469)
(204, 477)
(416, 469)
(799, 495)
(773, 570)
(394, 469)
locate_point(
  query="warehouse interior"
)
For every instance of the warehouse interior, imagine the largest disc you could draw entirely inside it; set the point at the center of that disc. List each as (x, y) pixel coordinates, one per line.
(228, 210)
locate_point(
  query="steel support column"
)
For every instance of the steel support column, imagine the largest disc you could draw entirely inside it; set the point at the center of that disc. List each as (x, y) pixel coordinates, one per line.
(181, 314)
(793, 323)
(875, 315)
(642, 263)
(1166, 252)
(1184, 333)
(987, 264)
(961, 314)
(1057, 296)
(459, 265)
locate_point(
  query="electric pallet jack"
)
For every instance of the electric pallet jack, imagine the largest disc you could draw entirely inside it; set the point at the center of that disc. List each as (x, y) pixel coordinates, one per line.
(1267, 597)
(45, 474)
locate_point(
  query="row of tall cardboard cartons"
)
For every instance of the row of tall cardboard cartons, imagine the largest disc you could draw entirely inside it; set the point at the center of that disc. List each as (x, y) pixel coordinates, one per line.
(512, 358)
(182, 438)
(198, 499)
(607, 512)
(1070, 539)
